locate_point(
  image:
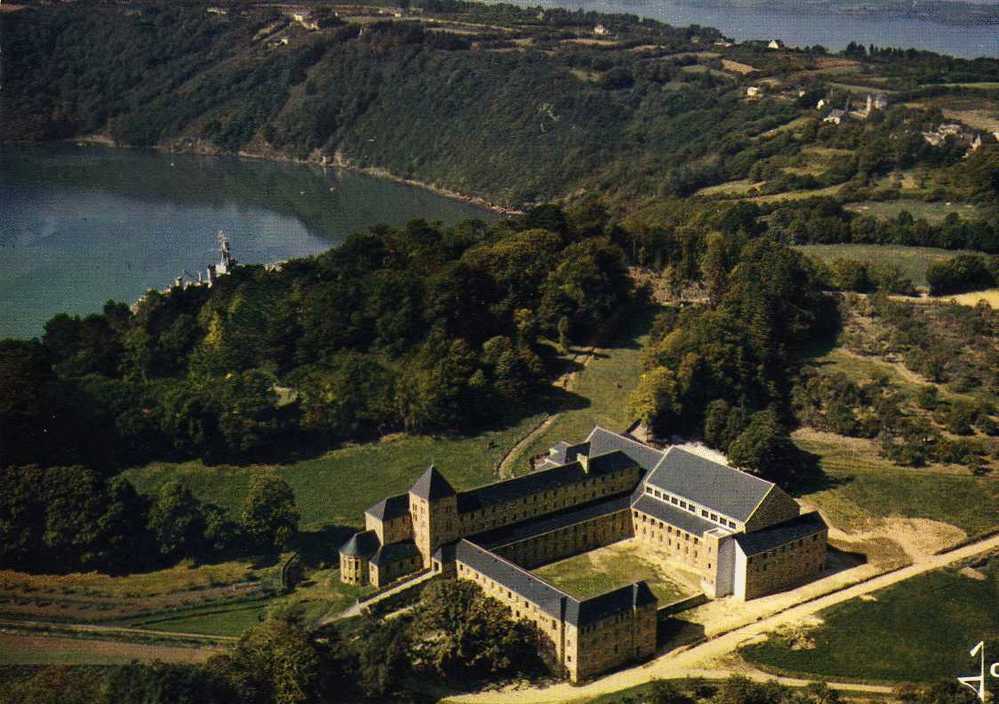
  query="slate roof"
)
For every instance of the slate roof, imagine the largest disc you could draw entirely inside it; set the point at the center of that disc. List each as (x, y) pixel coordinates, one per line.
(674, 515)
(546, 597)
(602, 441)
(726, 490)
(760, 541)
(393, 552)
(583, 613)
(543, 480)
(553, 521)
(362, 544)
(432, 485)
(563, 453)
(392, 507)
(516, 579)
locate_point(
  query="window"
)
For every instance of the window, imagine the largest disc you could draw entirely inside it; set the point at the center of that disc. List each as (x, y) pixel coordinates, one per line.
(714, 516)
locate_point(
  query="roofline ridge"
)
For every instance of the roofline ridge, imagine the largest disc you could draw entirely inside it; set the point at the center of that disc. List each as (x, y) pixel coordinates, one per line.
(726, 466)
(519, 568)
(624, 437)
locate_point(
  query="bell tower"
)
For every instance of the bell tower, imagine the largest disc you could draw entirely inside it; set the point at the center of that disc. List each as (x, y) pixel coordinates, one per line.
(433, 505)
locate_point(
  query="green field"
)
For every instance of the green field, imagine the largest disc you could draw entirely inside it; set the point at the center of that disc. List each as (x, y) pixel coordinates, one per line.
(933, 213)
(28, 649)
(337, 487)
(913, 261)
(613, 567)
(218, 621)
(919, 630)
(604, 384)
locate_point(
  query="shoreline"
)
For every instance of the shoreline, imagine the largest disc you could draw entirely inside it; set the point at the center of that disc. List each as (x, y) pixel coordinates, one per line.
(339, 161)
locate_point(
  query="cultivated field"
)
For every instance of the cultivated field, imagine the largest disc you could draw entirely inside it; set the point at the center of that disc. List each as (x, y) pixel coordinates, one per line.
(919, 630)
(16, 649)
(615, 566)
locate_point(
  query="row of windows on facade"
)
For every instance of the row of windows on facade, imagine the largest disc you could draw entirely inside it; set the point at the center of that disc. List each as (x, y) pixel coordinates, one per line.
(644, 518)
(682, 503)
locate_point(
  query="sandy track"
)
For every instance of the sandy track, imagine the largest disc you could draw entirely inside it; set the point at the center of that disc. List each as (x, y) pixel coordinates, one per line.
(696, 660)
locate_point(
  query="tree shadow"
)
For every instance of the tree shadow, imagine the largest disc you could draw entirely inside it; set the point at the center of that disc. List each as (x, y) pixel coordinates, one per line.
(319, 548)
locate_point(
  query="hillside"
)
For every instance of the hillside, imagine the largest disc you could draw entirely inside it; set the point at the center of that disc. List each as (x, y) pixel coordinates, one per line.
(517, 106)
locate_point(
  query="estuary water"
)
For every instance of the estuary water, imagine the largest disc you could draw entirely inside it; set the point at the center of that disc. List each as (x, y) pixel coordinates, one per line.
(803, 28)
(82, 225)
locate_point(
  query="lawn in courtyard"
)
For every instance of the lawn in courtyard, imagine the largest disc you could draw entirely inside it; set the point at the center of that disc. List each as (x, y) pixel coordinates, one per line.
(618, 565)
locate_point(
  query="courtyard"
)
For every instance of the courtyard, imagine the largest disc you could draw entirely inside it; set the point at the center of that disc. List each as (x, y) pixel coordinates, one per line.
(617, 565)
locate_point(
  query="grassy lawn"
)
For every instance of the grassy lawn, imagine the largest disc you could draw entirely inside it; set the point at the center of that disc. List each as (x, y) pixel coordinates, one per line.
(736, 188)
(604, 384)
(337, 487)
(615, 566)
(933, 213)
(225, 621)
(919, 630)
(798, 195)
(913, 261)
(864, 486)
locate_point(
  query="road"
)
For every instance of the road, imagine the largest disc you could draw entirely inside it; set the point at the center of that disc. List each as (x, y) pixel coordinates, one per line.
(695, 661)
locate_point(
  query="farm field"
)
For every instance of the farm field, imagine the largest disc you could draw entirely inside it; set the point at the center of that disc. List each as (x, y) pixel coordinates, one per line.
(913, 261)
(612, 567)
(990, 296)
(919, 630)
(17, 649)
(933, 213)
(337, 487)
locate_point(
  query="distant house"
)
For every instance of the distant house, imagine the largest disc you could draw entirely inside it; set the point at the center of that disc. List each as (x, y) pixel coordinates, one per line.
(821, 104)
(211, 10)
(754, 92)
(835, 117)
(600, 30)
(775, 44)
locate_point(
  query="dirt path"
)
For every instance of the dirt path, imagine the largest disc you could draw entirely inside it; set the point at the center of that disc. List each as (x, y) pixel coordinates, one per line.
(566, 381)
(689, 662)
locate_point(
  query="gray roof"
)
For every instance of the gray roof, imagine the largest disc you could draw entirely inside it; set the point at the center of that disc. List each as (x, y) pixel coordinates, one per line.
(392, 507)
(726, 490)
(760, 541)
(432, 485)
(552, 601)
(542, 480)
(552, 521)
(602, 441)
(583, 613)
(362, 544)
(675, 516)
(563, 453)
(516, 579)
(393, 552)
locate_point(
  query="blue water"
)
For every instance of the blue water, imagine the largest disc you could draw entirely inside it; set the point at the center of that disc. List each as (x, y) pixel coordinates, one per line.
(799, 28)
(82, 225)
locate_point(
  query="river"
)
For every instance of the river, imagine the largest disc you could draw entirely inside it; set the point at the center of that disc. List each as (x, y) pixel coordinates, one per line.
(802, 28)
(82, 225)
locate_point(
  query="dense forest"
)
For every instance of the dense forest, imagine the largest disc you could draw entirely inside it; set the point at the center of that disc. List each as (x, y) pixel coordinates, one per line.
(423, 329)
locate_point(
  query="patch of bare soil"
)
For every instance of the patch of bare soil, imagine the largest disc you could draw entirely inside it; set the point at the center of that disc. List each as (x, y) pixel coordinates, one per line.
(972, 573)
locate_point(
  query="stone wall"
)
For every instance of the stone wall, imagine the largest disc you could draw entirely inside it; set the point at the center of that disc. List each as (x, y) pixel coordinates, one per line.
(622, 638)
(353, 570)
(674, 543)
(785, 567)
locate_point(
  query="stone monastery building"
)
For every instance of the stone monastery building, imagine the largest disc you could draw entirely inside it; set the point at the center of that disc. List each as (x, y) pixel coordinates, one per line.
(743, 535)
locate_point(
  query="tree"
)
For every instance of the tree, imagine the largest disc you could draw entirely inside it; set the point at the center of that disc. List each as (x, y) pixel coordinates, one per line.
(458, 632)
(176, 521)
(275, 662)
(270, 516)
(382, 656)
(765, 448)
(656, 401)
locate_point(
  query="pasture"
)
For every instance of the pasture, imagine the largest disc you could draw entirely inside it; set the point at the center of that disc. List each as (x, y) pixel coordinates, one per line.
(919, 630)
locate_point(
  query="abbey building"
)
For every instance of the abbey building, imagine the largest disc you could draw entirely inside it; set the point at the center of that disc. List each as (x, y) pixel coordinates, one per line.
(743, 536)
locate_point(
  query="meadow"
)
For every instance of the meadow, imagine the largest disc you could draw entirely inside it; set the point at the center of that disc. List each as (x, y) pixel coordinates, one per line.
(919, 630)
(913, 261)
